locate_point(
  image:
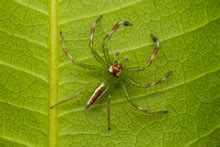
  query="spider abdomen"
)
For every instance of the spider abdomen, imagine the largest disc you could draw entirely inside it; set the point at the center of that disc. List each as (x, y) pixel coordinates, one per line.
(97, 94)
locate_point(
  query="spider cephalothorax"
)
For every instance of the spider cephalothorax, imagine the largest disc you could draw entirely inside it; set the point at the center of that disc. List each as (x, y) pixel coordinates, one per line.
(114, 68)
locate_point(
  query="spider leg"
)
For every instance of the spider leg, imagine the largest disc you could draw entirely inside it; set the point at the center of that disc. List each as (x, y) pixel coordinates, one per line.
(109, 35)
(138, 107)
(66, 51)
(92, 32)
(154, 52)
(91, 43)
(160, 81)
(73, 96)
(133, 82)
(152, 55)
(109, 111)
(153, 83)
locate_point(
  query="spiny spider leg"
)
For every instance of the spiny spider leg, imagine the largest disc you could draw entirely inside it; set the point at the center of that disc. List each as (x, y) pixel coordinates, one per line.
(162, 80)
(91, 43)
(71, 57)
(140, 108)
(153, 83)
(154, 52)
(68, 99)
(92, 32)
(152, 56)
(109, 111)
(75, 95)
(109, 35)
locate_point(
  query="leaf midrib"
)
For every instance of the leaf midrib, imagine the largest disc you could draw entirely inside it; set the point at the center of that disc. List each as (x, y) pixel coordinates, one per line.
(53, 71)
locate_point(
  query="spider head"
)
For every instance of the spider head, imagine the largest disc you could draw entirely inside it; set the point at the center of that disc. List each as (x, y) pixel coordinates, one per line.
(115, 69)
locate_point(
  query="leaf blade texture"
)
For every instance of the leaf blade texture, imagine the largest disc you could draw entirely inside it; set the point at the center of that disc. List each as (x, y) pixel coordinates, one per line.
(189, 38)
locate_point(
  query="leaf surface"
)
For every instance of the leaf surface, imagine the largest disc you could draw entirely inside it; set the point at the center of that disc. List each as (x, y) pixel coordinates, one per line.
(35, 73)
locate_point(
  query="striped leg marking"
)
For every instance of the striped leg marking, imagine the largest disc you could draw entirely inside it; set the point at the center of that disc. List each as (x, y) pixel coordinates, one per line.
(92, 32)
(109, 35)
(154, 52)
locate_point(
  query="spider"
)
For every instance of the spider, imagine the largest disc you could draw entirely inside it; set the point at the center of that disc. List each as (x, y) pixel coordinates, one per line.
(114, 71)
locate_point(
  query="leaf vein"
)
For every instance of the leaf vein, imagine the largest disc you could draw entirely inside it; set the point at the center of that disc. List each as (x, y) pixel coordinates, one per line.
(105, 12)
(205, 134)
(26, 39)
(24, 70)
(157, 92)
(44, 114)
(148, 44)
(32, 7)
(13, 140)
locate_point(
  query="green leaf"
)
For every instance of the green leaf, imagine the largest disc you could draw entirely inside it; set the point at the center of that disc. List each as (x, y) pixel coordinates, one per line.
(35, 73)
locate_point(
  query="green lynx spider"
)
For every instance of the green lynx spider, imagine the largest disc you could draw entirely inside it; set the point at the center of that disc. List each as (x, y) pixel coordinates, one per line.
(114, 70)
